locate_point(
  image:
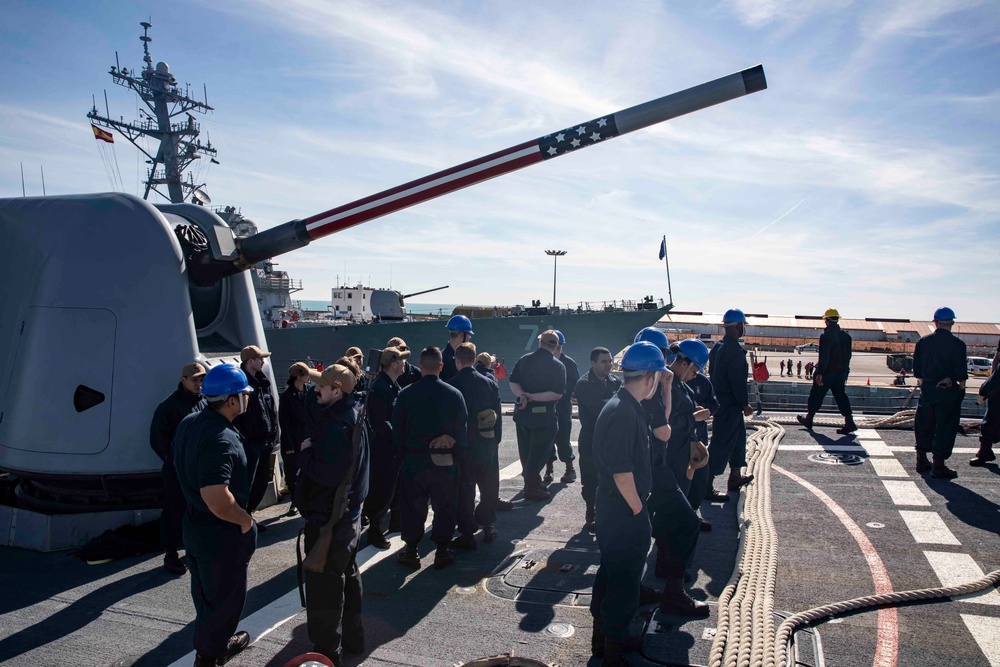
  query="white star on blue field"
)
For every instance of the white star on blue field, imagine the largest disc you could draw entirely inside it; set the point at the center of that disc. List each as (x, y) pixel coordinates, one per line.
(864, 178)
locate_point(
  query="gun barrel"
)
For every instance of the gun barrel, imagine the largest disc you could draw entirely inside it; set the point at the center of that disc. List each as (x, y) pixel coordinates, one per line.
(426, 291)
(298, 233)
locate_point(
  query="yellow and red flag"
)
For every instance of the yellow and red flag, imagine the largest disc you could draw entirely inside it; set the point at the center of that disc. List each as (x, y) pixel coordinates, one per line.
(102, 135)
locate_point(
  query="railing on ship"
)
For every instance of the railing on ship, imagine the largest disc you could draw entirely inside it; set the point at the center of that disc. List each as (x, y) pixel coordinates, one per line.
(279, 284)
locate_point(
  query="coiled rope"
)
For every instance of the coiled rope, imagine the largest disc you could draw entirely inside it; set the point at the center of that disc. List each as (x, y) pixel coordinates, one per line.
(745, 635)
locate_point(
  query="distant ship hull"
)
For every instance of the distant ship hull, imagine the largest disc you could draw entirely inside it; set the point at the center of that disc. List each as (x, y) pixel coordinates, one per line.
(507, 338)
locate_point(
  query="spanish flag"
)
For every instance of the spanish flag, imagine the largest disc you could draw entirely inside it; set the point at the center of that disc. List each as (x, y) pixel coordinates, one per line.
(102, 135)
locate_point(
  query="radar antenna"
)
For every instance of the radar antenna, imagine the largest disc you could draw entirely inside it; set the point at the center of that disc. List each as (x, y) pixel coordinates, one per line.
(179, 143)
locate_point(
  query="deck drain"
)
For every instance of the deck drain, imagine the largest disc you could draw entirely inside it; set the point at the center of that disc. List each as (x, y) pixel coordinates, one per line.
(832, 459)
(465, 590)
(875, 524)
(561, 630)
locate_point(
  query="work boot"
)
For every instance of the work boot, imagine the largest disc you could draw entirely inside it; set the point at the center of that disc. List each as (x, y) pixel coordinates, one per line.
(173, 564)
(236, 644)
(205, 660)
(806, 421)
(364, 521)
(849, 426)
(570, 475)
(536, 493)
(409, 557)
(675, 599)
(923, 465)
(983, 456)
(292, 511)
(940, 471)
(443, 557)
(504, 505)
(489, 534)
(394, 523)
(590, 525)
(705, 526)
(376, 538)
(614, 654)
(463, 541)
(714, 496)
(736, 480)
(549, 473)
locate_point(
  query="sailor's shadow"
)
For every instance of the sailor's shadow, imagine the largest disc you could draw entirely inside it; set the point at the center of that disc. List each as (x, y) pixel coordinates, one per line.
(397, 598)
(966, 505)
(833, 444)
(80, 613)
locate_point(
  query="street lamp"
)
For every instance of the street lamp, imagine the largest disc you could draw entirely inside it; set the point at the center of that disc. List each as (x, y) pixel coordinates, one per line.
(555, 255)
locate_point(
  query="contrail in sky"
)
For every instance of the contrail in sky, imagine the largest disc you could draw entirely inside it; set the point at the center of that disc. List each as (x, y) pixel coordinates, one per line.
(779, 218)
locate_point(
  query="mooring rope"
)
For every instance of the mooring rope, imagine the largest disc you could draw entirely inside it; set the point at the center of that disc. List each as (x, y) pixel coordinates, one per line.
(745, 634)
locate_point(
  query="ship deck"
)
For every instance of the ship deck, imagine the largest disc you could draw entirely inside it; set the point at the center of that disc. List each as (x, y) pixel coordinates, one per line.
(844, 527)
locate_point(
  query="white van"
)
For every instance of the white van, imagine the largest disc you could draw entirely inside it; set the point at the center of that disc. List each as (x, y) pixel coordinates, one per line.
(980, 365)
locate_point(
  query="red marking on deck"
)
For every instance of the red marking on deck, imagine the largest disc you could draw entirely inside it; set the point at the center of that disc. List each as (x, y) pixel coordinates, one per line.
(887, 639)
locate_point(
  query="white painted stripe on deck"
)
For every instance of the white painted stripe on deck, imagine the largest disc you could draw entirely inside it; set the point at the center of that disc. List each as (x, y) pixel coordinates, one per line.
(956, 569)
(905, 493)
(957, 450)
(511, 471)
(928, 528)
(986, 632)
(854, 449)
(876, 448)
(867, 434)
(887, 467)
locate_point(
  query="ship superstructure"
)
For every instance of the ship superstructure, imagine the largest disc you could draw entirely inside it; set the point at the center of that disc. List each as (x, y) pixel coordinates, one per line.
(179, 146)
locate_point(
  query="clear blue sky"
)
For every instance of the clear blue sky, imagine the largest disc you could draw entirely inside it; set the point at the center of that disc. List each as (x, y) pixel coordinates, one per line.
(865, 178)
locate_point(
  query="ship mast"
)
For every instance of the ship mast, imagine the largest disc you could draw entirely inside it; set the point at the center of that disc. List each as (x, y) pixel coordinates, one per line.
(179, 143)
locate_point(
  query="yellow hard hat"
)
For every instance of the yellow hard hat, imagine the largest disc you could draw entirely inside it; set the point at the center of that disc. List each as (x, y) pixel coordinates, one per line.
(831, 314)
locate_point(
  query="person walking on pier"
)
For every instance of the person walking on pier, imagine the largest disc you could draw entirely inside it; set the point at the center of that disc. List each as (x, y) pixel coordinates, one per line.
(831, 374)
(429, 427)
(564, 415)
(624, 472)
(186, 399)
(538, 381)
(258, 424)
(782, 368)
(593, 390)
(728, 371)
(939, 363)
(293, 423)
(220, 536)
(798, 368)
(459, 331)
(335, 454)
(481, 466)
(384, 463)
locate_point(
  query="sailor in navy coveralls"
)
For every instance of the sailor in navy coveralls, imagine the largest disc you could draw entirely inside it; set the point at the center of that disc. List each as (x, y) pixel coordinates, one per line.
(622, 458)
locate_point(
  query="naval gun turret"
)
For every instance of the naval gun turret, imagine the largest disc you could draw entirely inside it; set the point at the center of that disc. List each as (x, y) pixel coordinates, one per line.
(107, 296)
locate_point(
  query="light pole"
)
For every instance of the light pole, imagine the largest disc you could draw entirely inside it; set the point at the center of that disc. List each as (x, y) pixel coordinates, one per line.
(555, 254)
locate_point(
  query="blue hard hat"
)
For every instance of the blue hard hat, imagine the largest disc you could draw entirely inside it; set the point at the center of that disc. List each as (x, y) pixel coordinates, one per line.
(653, 335)
(694, 350)
(643, 356)
(734, 316)
(562, 339)
(225, 380)
(460, 323)
(944, 314)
